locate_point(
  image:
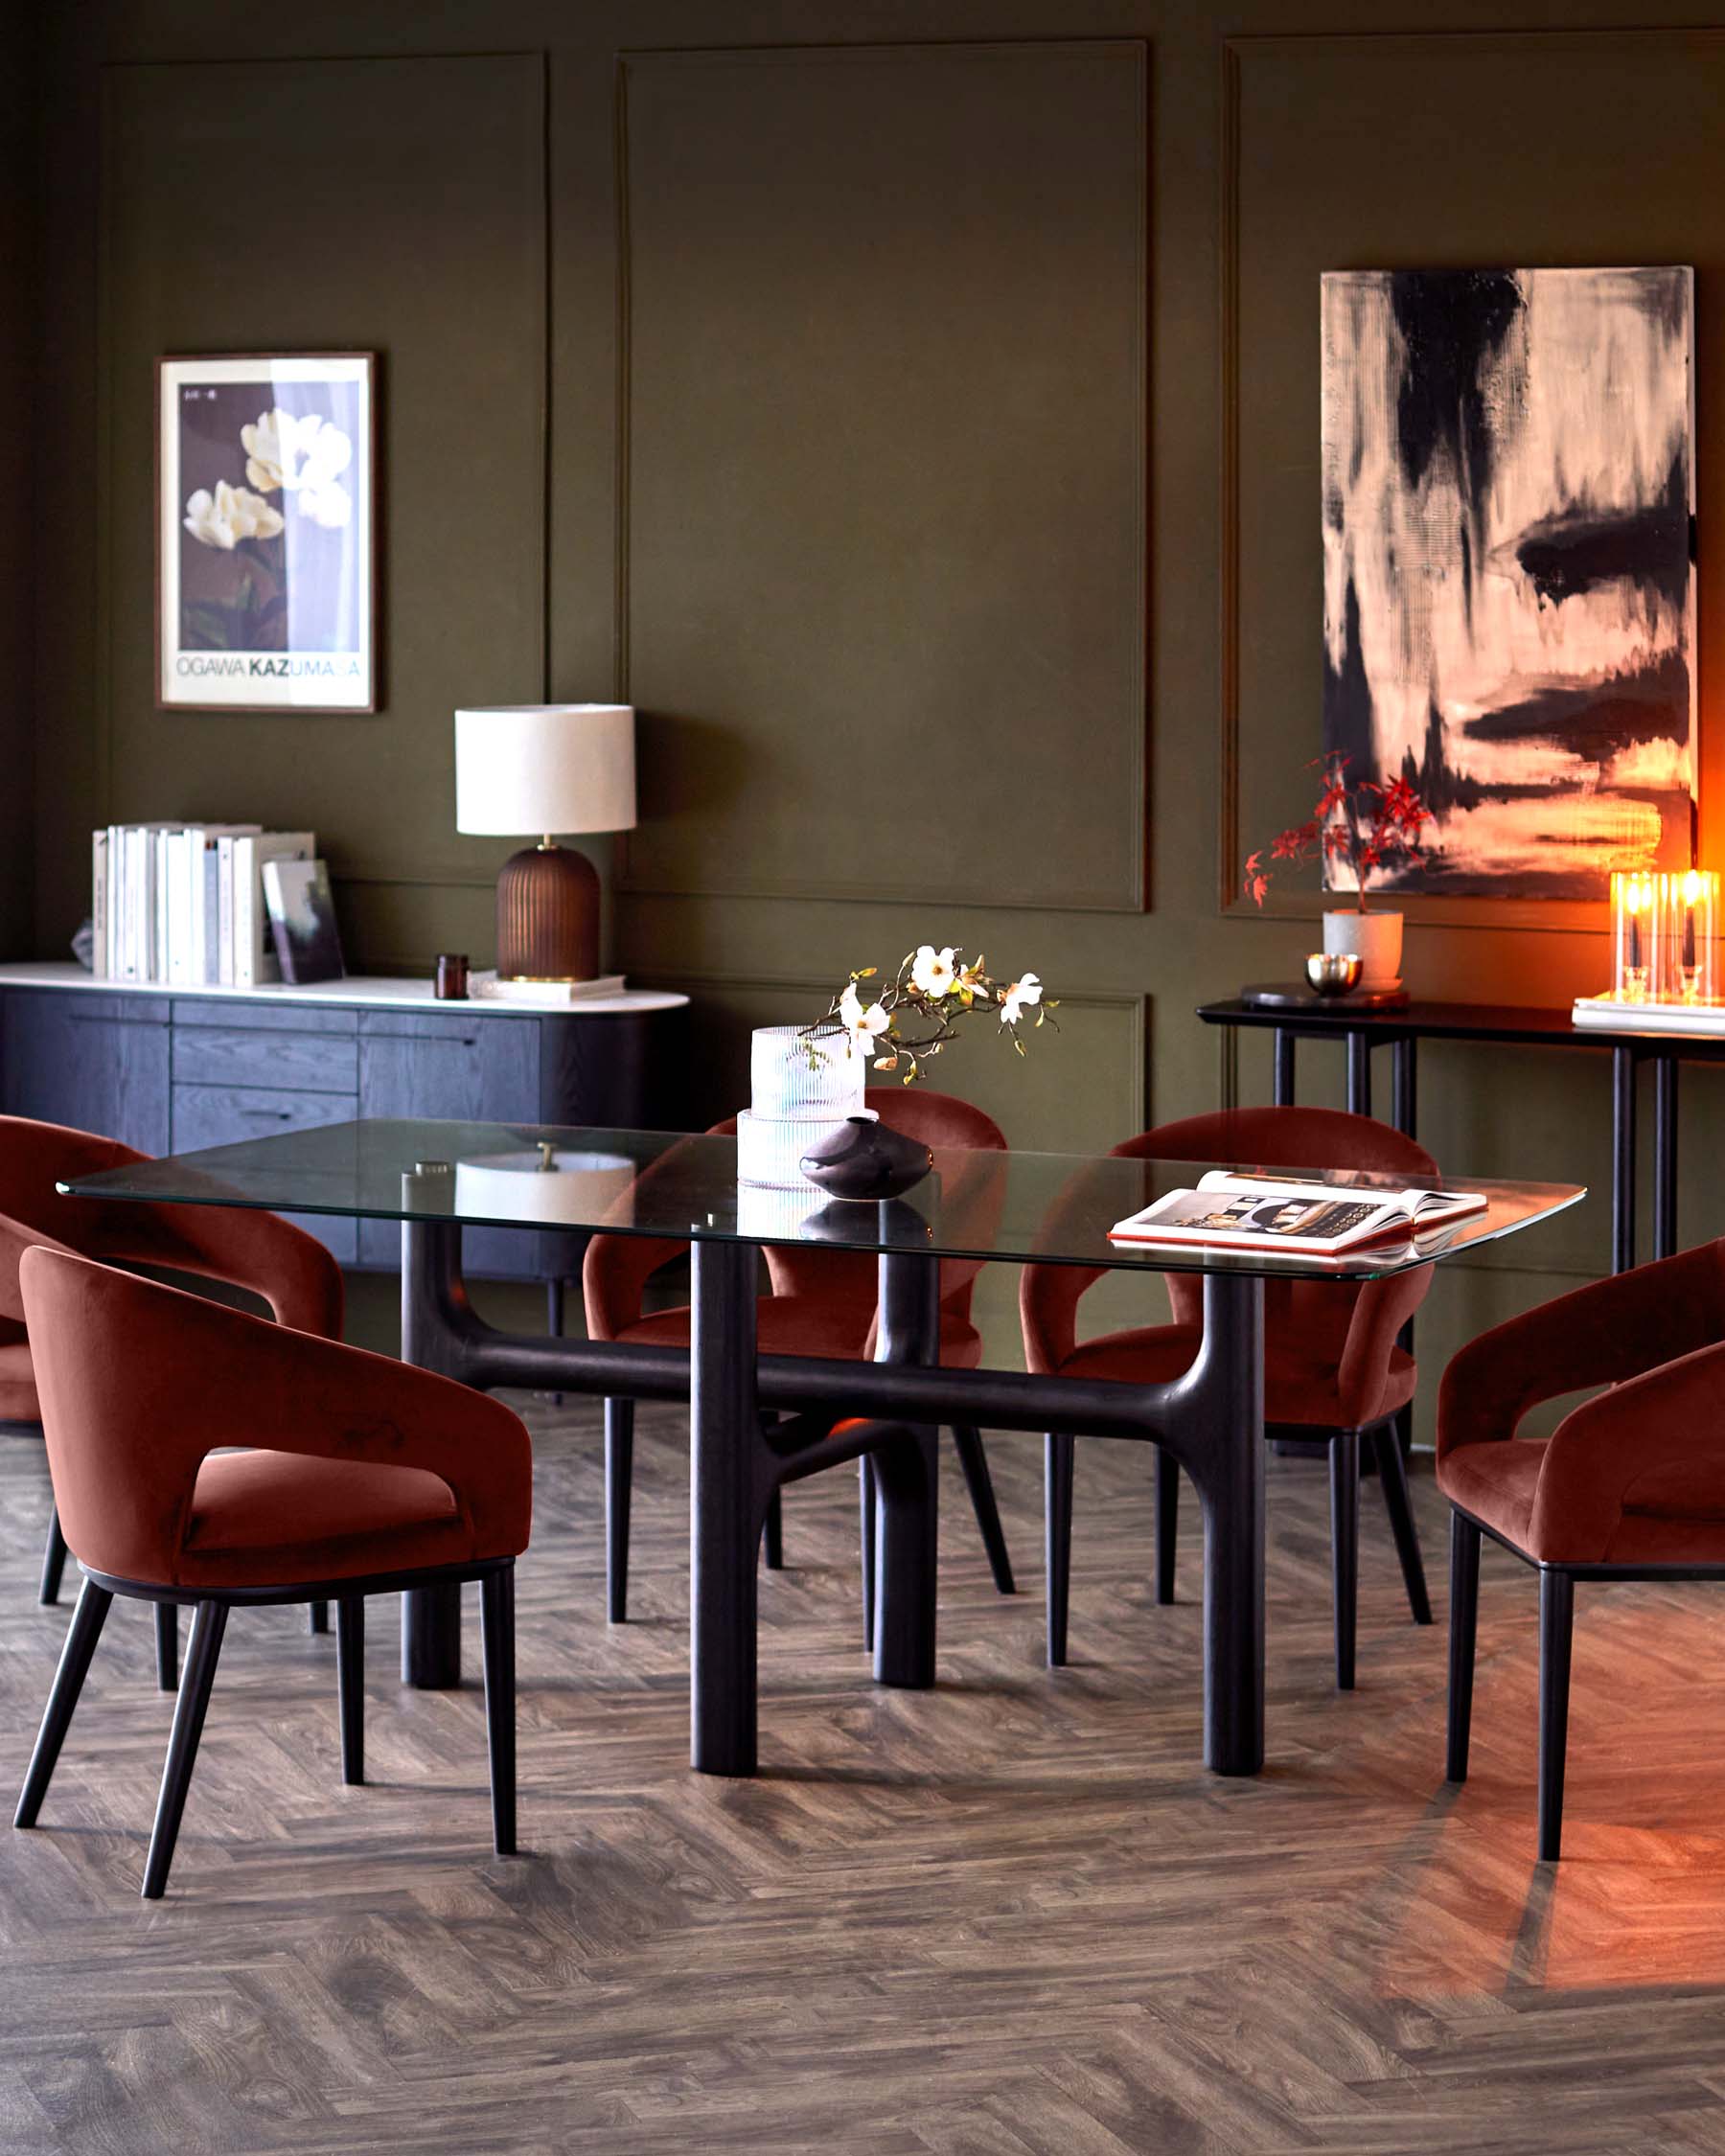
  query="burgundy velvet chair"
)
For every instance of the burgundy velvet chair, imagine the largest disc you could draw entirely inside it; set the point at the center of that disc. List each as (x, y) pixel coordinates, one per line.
(1332, 1367)
(822, 1304)
(365, 1476)
(287, 1268)
(1630, 1485)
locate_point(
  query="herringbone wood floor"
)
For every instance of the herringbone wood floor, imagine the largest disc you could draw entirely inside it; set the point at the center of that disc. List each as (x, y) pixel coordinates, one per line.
(1012, 1914)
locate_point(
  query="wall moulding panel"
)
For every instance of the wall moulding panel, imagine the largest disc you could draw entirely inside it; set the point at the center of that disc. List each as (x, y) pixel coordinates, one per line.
(1563, 148)
(883, 470)
(307, 206)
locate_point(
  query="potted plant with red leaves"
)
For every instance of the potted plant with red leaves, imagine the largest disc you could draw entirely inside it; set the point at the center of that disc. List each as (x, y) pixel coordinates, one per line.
(1358, 828)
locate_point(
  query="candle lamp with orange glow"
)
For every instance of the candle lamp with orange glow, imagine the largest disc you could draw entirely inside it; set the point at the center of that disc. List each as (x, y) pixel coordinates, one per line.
(1689, 972)
(1635, 911)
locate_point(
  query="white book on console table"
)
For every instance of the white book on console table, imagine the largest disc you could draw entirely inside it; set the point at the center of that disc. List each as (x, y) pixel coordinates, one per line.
(206, 900)
(1648, 1018)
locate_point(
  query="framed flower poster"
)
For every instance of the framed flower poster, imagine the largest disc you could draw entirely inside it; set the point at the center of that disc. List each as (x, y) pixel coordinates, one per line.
(265, 523)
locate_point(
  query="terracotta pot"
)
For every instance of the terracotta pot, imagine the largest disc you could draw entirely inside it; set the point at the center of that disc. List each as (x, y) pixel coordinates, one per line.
(1374, 938)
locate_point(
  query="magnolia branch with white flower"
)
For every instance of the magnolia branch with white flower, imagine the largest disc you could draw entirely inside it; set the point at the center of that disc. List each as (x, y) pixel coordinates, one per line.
(940, 989)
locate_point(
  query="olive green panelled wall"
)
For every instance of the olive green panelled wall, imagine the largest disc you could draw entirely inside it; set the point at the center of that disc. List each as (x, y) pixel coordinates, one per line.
(17, 538)
(912, 408)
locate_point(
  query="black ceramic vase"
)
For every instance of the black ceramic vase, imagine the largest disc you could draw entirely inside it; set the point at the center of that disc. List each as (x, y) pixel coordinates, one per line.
(866, 1159)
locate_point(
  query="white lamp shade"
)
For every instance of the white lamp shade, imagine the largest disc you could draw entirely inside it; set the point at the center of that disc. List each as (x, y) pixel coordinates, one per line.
(546, 768)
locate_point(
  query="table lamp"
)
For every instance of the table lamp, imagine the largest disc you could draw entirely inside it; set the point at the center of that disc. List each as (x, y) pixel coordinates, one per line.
(546, 768)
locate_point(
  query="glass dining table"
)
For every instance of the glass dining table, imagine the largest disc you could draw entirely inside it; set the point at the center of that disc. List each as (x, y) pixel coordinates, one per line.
(761, 1421)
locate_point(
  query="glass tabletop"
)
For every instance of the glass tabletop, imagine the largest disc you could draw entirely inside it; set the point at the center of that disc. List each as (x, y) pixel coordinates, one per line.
(1056, 1207)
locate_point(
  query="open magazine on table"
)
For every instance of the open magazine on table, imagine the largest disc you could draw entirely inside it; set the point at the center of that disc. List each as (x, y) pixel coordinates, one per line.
(1247, 1209)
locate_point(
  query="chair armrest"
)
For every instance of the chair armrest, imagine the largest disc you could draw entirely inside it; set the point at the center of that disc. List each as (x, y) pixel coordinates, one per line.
(614, 1274)
(1048, 1297)
(1661, 1434)
(1380, 1310)
(1609, 1331)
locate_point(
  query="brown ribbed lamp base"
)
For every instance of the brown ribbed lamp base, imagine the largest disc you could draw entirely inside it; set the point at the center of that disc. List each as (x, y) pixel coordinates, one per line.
(547, 915)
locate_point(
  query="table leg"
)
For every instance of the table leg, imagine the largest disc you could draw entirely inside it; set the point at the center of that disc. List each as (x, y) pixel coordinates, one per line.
(1405, 1070)
(1282, 1080)
(727, 1495)
(908, 1482)
(1664, 1157)
(1623, 1158)
(1359, 1074)
(1231, 1484)
(1405, 1080)
(431, 1615)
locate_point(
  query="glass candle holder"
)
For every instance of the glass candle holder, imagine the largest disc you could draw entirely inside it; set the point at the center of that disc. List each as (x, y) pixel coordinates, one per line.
(1634, 935)
(1687, 908)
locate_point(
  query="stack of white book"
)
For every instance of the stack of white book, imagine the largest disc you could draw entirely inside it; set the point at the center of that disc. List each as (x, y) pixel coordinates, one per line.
(182, 903)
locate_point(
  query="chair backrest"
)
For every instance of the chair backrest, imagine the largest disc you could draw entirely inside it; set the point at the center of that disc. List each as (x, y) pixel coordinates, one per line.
(1284, 1137)
(617, 1267)
(1242, 1137)
(947, 1125)
(260, 1251)
(34, 1156)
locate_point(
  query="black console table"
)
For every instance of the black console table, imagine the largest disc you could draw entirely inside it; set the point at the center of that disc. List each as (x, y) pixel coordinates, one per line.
(1508, 1025)
(173, 1070)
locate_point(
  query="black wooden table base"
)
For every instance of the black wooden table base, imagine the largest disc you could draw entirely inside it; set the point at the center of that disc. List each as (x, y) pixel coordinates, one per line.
(1212, 1420)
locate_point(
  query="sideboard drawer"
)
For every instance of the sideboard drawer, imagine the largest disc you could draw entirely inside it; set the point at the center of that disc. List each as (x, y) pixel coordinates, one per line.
(225, 1114)
(283, 1061)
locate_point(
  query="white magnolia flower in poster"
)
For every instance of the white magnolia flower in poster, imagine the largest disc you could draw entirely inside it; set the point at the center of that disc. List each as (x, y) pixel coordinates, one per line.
(230, 514)
(303, 455)
(327, 503)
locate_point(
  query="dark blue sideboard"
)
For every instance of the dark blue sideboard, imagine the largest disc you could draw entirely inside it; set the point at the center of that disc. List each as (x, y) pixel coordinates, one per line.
(170, 1072)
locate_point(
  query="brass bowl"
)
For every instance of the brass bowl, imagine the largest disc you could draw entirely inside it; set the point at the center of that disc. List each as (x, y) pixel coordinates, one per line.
(1333, 973)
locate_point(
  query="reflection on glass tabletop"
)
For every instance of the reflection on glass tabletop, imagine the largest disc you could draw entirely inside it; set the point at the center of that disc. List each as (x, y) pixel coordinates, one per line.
(1015, 1206)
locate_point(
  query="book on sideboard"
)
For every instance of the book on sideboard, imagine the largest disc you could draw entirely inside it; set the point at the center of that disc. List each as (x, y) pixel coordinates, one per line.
(181, 903)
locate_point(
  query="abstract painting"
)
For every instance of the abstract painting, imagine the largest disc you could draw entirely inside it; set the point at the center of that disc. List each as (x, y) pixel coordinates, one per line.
(1508, 567)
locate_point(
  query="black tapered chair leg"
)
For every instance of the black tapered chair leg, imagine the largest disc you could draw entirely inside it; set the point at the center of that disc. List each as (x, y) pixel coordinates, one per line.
(1057, 1533)
(866, 1503)
(1557, 1628)
(167, 1636)
(350, 1680)
(53, 1561)
(1464, 1622)
(209, 1622)
(1345, 1548)
(1167, 1522)
(317, 1618)
(554, 1322)
(979, 1482)
(496, 1617)
(1398, 1503)
(619, 1487)
(82, 1636)
(772, 1532)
